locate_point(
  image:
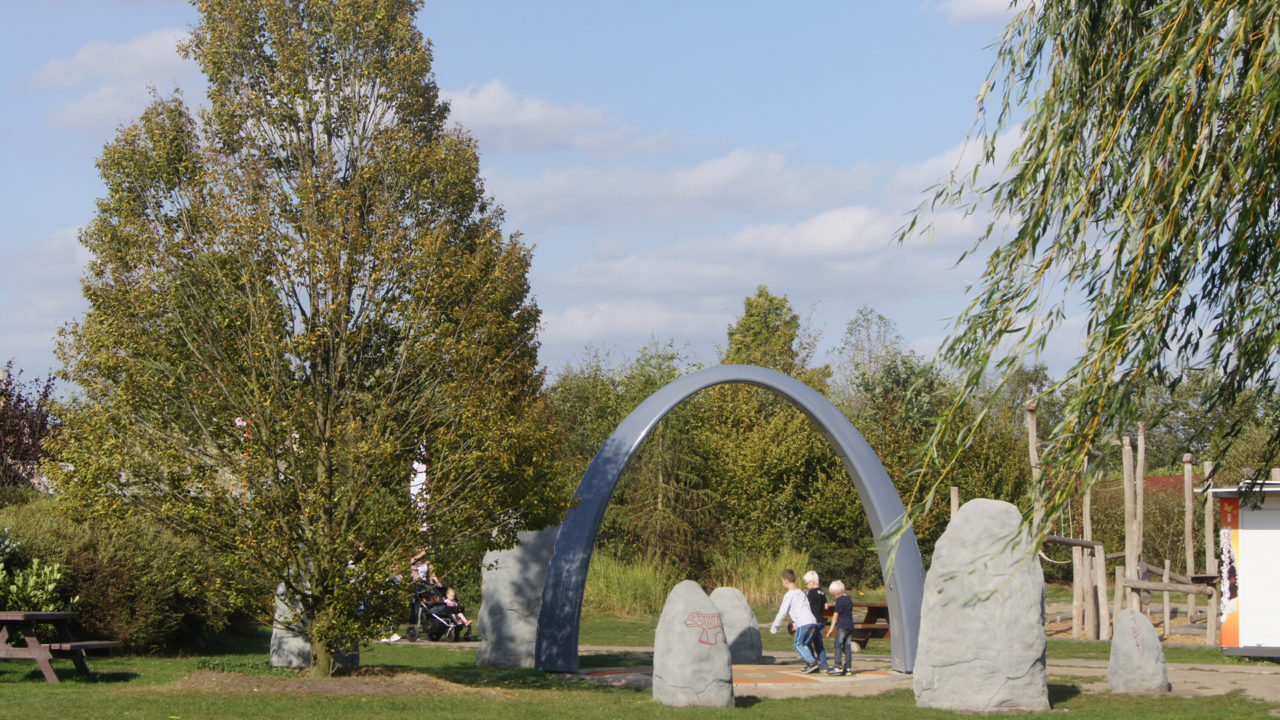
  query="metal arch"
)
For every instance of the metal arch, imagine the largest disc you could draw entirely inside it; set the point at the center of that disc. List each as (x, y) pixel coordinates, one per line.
(558, 621)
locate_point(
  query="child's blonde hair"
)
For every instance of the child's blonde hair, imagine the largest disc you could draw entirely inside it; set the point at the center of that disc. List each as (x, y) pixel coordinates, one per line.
(836, 588)
(811, 577)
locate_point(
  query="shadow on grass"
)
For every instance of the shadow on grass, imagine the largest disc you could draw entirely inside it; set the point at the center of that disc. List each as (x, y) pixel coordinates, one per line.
(626, 659)
(68, 675)
(1059, 693)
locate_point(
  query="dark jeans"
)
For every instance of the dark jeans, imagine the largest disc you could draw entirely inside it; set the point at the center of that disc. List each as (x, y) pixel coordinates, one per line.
(844, 642)
(819, 649)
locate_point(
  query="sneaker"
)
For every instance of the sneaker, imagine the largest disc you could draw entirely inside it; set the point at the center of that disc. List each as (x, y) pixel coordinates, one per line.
(394, 637)
(835, 671)
(810, 669)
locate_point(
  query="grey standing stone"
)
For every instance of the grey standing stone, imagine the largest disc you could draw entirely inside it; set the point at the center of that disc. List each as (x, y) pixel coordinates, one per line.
(511, 596)
(740, 625)
(982, 622)
(691, 662)
(1137, 657)
(290, 644)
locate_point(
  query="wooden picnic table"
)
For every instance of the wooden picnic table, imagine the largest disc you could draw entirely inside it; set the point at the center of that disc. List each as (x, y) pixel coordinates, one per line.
(21, 625)
(875, 624)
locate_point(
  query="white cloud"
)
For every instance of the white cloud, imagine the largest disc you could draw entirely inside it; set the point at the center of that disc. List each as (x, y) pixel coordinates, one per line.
(41, 292)
(504, 120)
(603, 323)
(962, 11)
(745, 179)
(111, 81)
(151, 55)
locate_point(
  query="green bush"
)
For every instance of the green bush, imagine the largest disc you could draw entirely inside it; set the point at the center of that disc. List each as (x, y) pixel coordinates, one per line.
(39, 587)
(137, 583)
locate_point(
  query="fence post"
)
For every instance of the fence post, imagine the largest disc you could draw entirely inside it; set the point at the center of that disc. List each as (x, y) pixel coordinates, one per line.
(1165, 578)
(1100, 593)
(1188, 526)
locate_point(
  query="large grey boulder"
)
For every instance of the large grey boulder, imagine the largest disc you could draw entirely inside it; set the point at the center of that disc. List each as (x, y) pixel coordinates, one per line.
(1137, 657)
(741, 628)
(982, 622)
(290, 642)
(691, 661)
(511, 596)
(290, 645)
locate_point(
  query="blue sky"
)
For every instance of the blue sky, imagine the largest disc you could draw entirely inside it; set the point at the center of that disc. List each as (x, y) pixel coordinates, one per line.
(664, 158)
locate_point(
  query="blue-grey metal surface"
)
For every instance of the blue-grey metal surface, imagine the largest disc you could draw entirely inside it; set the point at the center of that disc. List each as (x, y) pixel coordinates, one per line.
(557, 649)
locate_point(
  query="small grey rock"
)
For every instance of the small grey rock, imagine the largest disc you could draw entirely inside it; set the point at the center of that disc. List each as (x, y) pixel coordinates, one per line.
(691, 660)
(1137, 657)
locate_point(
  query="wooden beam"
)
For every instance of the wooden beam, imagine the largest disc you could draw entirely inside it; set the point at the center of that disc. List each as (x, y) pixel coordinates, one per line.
(1188, 524)
(1170, 587)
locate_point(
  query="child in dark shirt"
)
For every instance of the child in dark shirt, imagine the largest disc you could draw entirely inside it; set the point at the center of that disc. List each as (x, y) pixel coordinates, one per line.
(818, 604)
(842, 627)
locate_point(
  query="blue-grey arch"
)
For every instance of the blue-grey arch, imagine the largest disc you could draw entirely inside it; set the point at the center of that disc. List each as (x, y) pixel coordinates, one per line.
(903, 570)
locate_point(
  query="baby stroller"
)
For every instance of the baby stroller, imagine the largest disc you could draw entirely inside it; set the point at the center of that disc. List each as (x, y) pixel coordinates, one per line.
(430, 615)
(442, 622)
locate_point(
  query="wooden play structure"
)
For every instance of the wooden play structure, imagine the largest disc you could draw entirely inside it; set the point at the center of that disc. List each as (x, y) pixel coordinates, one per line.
(1135, 578)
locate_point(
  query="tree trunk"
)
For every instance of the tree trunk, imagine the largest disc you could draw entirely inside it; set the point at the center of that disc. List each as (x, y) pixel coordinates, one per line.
(321, 660)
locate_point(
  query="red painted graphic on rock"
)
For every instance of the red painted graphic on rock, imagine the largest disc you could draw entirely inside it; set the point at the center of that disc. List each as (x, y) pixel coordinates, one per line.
(709, 623)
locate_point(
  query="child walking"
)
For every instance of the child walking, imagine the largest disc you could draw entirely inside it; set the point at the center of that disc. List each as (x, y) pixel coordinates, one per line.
(796, 605)
(842, 626)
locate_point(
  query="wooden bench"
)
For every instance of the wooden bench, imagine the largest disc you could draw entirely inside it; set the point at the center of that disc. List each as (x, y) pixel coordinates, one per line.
(21, 625)
(875, 624)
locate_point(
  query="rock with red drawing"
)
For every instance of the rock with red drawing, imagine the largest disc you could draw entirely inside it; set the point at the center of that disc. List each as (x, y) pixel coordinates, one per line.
(741, 628)
(691, 659)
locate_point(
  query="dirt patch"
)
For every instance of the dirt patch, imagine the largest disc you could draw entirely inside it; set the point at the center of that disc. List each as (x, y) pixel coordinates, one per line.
(366, 682)
(1062, 630)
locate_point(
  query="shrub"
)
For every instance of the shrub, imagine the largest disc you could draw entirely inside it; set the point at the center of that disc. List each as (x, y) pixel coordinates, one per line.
(136, 582)
(38, 587)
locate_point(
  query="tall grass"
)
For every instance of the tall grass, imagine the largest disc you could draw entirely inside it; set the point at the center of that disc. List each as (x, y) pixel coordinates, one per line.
(628, 588)
(631, 588)
(757, 576)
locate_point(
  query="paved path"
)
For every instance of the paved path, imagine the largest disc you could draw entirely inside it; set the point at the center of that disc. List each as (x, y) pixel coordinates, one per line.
(782, 677)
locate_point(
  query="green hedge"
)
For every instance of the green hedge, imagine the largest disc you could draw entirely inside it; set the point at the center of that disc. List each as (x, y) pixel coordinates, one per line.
(137, 583)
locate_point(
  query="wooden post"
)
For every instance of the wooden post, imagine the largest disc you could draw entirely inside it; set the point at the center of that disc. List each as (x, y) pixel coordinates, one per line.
(1086, 505)
(1165, 578)
(1130, 523)
(1210, 557)
(1119, 599)
(1077, 592)
(1188, 526)
(1211, 636)
(955, 500)
(1100, 573)
(1090, 596)
(1033, 450)
(1139, 490)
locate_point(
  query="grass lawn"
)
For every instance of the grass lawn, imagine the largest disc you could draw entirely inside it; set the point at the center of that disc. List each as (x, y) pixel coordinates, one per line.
(439, 680)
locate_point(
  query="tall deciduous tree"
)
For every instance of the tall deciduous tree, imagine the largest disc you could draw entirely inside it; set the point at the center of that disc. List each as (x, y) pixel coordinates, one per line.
(292, 297)
(1143, 188)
